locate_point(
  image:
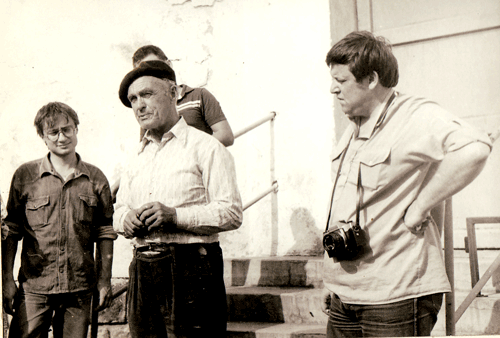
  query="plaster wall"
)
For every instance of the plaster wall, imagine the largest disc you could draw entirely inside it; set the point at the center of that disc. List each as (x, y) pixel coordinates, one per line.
(254, 56)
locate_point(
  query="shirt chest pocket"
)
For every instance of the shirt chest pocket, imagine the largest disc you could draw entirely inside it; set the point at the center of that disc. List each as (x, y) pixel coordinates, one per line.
(374, 166)
(88, 205)
(37, 211)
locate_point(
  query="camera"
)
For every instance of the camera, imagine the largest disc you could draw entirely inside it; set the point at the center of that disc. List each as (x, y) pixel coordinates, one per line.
(346, 242)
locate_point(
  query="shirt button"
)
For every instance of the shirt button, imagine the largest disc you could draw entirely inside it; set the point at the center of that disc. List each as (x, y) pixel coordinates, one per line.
(62, 249)
(61, 269)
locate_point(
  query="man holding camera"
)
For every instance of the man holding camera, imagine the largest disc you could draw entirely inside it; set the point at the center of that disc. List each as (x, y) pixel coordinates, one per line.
(400, 157)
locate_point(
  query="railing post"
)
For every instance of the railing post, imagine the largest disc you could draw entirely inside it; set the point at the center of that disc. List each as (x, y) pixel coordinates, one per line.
(274, 195)
(450, 268)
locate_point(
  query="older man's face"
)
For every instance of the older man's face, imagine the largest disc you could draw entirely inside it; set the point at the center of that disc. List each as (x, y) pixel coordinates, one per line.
(153, 104)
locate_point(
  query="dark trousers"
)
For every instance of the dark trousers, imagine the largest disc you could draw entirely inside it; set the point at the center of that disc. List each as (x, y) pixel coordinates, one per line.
(178, 293)
(407, 318)
(69, 314)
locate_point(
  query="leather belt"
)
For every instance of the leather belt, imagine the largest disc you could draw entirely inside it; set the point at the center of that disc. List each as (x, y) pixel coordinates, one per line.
(155, 247)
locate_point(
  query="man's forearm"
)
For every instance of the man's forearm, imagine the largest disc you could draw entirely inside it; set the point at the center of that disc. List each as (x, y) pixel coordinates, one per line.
(9, 249)
(452, 174)
(106, 251)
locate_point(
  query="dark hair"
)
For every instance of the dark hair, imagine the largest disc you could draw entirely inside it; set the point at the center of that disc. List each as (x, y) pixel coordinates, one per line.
(48, 114)
(365, 54)
(144, 51)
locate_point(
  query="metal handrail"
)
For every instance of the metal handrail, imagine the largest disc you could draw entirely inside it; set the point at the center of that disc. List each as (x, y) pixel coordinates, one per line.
(477, 283)
(254, 125)
(453, 316)
(273, 188)
(274, 184)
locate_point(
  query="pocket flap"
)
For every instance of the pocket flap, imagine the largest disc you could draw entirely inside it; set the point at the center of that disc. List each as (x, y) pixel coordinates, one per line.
(373, 158)
(37, 203)
(91, 201)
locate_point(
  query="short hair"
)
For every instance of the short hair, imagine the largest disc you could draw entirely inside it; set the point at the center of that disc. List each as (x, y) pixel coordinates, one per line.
(144, 51)
(364, 54)
(48, 114)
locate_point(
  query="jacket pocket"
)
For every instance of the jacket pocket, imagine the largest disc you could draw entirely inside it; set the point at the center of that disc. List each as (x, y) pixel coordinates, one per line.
(37, 211)
(373, 167)
(88, 205)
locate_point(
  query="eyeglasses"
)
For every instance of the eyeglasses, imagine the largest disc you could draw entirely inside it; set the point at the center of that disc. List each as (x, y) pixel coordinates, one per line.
(53, 134)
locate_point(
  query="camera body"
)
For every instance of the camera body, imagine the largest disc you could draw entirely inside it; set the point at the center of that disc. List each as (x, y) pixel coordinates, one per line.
(345, 242)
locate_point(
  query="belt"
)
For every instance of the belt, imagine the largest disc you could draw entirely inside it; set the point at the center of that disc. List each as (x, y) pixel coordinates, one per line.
(155, 247)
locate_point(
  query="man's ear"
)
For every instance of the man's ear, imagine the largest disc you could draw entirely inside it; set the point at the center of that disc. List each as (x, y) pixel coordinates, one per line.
(173, 91)
(373, 80)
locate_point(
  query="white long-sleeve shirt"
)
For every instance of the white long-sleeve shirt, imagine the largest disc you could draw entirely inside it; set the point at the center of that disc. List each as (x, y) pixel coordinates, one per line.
(190, 171)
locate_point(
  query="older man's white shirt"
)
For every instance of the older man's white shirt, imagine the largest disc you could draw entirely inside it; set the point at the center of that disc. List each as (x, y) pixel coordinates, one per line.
(190, 171)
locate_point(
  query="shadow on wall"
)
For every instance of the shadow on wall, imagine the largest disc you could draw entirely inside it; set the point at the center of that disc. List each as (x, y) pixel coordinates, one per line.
(307, 237)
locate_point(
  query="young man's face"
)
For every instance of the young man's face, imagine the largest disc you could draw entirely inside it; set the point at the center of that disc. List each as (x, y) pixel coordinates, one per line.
(61, 137)
(153, 104)
(353, 96)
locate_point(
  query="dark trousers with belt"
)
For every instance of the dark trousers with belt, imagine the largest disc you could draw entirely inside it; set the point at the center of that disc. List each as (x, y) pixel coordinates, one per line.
(178, 292)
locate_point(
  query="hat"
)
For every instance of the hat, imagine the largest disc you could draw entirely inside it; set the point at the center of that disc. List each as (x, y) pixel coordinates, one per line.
(154, 68)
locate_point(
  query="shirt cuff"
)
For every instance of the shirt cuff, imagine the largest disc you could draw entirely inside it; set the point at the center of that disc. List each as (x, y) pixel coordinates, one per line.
(119, 218)
(185, 219)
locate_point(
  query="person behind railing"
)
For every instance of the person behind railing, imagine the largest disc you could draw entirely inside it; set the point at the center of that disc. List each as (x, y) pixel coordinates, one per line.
(59, 206)
(178, 191)
(198, 106)
(400, 156)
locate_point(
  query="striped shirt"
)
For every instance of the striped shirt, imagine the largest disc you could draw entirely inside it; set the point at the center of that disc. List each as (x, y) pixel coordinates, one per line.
(187, 170)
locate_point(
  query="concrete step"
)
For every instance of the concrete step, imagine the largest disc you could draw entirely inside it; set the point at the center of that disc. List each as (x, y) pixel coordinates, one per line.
(274, 271)
(307, 271)
(481, 318)
(296, 305)
(273, 330)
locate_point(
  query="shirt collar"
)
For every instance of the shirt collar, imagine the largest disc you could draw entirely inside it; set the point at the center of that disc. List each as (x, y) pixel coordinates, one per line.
(184, 89)
(46, 167)
(179, 131)
(377, 117)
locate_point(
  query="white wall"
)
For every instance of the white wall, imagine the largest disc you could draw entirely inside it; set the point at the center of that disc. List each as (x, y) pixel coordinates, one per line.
(254, 56)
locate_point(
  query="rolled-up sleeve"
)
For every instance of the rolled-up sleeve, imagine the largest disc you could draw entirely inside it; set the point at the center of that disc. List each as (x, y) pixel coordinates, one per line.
(433, 132)
(105, 218)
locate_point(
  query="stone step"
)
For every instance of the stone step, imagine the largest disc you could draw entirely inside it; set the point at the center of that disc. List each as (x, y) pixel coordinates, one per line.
(296, 305)
(273, 330)
(274, 271)
(307, 271)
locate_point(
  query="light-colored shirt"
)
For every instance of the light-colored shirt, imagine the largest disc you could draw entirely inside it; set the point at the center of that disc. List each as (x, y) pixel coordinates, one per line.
(190, 171)
(394, 156)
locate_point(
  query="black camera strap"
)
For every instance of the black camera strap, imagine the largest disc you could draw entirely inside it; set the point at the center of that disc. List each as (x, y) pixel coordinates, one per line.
(335, 183)
(357, 227)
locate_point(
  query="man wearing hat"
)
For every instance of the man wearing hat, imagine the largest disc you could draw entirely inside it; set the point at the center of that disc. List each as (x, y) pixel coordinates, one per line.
(177, 192)
(198, 106)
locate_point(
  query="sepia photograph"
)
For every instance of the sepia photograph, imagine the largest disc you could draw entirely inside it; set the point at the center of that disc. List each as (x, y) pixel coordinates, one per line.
(250, 168)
